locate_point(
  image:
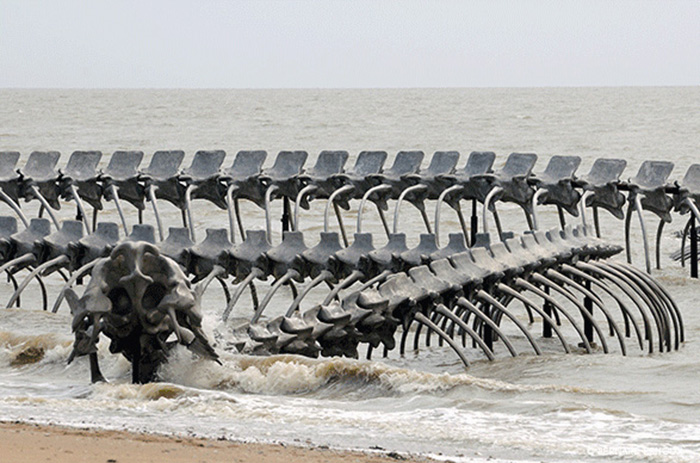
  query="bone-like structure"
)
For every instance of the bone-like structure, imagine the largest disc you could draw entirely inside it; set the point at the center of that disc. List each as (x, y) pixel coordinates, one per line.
(145, 288)
(138, 298)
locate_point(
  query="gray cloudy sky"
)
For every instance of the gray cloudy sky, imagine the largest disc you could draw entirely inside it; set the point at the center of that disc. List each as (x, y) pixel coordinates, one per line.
(359, 43)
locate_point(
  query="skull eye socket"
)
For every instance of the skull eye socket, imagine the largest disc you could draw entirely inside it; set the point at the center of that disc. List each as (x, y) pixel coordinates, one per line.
(121, 303)
(153, 295)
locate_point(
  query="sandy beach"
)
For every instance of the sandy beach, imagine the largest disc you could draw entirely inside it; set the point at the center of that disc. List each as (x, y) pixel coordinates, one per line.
(30, 443)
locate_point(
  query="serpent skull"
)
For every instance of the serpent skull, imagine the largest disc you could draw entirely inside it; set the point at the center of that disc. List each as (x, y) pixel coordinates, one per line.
(138, 298)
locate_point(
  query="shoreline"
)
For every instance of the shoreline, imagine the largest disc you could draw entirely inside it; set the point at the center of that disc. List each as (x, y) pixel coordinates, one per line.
(27, 442)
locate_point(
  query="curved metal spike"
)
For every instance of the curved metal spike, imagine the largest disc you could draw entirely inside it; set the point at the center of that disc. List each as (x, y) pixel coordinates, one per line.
(115, 195)
(268, 297)
(403, 194)
(81, 272)
(268, 218)
(331, 201)
(628, 316)
(46, 206)
(81, 208)
(663, 299)
(587, 316)
(427, 322)
(230, 210)
(635, 289)
(442, 310)
(297, 203)
(188, 208)
(596, 300)
(494, 191)
(320, 278)
(555, 326)
(56, 261)
(440, 199)
(25, 259)
(365, 197)
(484, 296)
(255, 273)
(152, 196)
(15, 207)
(464, 303)
(202, 285)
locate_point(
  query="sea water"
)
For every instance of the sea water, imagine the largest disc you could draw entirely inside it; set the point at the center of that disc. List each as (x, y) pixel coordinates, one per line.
(552, 408)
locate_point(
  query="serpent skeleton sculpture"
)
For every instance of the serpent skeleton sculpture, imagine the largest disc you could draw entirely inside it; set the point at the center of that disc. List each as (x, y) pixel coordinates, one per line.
(145, 289)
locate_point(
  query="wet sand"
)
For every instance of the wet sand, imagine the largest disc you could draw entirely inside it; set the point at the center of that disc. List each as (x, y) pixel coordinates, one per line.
(31, 443)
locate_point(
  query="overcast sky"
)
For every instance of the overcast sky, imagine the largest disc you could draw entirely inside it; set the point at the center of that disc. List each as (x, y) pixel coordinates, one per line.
(358, 43)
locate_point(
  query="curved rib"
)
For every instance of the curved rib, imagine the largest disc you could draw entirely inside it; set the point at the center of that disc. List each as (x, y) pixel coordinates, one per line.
(627, 313)
(206, 281)
(45, 203)
(117, 203)
(484, 296)
(582, 208)
(660, 290)
(670, 302)
(515, 294)
(75, 277)
(266, 300)
(39, 268)
(42, 286)
(595, 299)
(365, 197)
(663, 298)
(634, 293)
(331, 201)
(535, 197)
(347, 281)
(81, 208)
(467, 305)
(658, 243)
(684, 236)
(649, 294)
(188, 208)
(693, 208)
(297, 203)
(640, 214)
(403, 194)
(268, 219)
(495, 190)
(626, 287)
(255, 273)
(230, 211)
(323, 276)
(440, 199)
(152, 196)
(442, 310)
(584, 313)
(25, 259)
(15, 207)
(427, 322)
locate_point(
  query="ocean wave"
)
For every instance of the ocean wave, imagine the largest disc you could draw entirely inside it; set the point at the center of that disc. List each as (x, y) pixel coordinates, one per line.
(290, 374)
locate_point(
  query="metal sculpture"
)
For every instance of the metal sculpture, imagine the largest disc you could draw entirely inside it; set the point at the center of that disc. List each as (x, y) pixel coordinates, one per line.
(145, 287)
